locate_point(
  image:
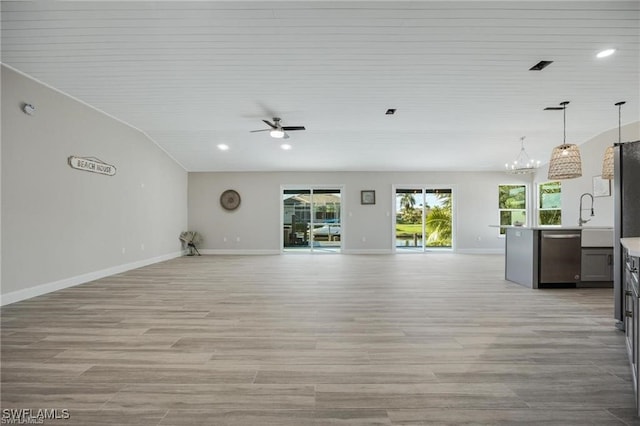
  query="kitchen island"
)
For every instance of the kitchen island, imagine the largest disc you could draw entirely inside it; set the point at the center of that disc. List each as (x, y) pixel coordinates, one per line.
(538, 257)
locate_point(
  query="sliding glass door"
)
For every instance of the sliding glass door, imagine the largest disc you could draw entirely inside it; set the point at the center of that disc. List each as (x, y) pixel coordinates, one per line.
(424, 219)
(311, 219)
(409, 219)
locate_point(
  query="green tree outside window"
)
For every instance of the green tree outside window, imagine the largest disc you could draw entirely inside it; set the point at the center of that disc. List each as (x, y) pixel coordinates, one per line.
(512, 205)
(550, 203)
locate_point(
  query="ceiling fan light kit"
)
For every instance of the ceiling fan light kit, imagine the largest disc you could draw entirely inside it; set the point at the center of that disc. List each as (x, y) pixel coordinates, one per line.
(277, 133)
(565, 160)
(276, 130)
(608, 162)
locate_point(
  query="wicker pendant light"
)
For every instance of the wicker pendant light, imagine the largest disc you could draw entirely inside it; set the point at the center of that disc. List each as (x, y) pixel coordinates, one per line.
(607, 164)
(565, 160)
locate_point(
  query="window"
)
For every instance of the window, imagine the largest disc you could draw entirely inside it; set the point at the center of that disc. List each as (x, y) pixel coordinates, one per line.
(512, 205)
(549, 203)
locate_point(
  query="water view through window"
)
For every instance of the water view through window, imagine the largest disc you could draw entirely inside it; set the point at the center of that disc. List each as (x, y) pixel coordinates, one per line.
(424, 219)
(311, 220)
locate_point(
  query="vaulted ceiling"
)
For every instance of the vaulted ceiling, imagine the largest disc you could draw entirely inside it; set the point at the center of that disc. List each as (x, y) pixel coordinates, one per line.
(193, 75)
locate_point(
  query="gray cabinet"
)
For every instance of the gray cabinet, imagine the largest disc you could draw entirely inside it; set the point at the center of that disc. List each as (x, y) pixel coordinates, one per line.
(597, 264)
(630, 329)
(631, 317)
(546, 257)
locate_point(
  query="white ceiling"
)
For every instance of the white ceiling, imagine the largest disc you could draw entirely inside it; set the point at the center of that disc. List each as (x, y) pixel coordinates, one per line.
(195, 74)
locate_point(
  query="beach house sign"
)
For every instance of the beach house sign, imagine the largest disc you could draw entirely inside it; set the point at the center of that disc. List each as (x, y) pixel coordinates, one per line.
(92, 165)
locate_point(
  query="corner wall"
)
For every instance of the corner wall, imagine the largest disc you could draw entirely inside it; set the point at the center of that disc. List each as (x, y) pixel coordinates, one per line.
(62, 226)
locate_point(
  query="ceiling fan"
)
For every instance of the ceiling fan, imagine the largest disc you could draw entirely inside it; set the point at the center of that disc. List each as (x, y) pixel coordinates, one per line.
(276, 130)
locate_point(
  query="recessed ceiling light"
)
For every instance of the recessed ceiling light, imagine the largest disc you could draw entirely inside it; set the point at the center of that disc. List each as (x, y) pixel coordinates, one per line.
(605, 53)
(223, 147)
(285, 146)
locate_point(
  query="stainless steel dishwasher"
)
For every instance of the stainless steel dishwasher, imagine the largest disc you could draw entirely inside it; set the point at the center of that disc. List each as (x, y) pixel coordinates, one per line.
(560, 256)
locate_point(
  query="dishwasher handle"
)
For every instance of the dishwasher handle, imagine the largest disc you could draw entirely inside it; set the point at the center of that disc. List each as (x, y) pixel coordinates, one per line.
(561, 236)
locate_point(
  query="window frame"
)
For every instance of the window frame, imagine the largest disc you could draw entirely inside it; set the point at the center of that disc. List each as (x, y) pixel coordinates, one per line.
(423, 190)
(539, 208)
(526, 210)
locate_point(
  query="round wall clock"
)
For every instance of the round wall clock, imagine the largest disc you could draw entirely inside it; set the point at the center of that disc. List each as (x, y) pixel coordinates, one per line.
(230, 199)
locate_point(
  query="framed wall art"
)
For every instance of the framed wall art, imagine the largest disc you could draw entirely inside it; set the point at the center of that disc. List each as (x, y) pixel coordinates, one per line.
(368, 197)
(601, 187)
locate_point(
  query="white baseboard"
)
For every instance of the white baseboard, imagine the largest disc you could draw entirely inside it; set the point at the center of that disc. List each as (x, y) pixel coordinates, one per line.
(41, 289)
(481, 251)
(249, 252)
(368, 251)
(239, 252)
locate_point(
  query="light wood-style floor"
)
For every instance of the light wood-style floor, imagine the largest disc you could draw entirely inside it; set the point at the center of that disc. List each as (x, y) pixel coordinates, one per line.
(433, 339)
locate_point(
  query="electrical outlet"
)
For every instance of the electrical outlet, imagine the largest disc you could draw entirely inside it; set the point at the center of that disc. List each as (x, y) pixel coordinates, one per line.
(364, 239)
(224, 239)
(124, 250)
(237, 239)
(142, 246)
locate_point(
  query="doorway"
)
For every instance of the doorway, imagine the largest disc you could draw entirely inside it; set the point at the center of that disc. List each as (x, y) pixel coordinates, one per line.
(423, 219)
(311, 220)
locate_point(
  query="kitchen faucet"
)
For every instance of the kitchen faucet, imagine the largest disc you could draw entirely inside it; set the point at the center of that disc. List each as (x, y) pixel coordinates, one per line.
(582, 221)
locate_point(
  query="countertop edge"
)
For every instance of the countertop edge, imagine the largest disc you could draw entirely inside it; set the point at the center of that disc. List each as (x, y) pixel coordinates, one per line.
(555, 228)
(632, 245)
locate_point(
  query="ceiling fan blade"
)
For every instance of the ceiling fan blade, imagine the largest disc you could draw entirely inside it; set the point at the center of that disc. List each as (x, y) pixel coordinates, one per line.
(273, 126)
(263, 130)
(293, 128)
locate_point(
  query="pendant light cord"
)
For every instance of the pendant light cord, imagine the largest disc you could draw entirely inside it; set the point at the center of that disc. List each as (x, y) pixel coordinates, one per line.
(564, 125)
(564, 121)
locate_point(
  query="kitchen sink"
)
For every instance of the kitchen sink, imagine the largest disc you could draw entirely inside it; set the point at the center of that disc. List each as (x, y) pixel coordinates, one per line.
(597, 237)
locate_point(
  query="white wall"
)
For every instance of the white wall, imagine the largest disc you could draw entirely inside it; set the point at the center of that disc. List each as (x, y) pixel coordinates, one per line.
(257, 221)
(62, 226)
(592, 154)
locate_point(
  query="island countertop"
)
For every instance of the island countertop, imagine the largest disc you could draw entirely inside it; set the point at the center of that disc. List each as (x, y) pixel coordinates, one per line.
(554, 228)
(632, 245)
